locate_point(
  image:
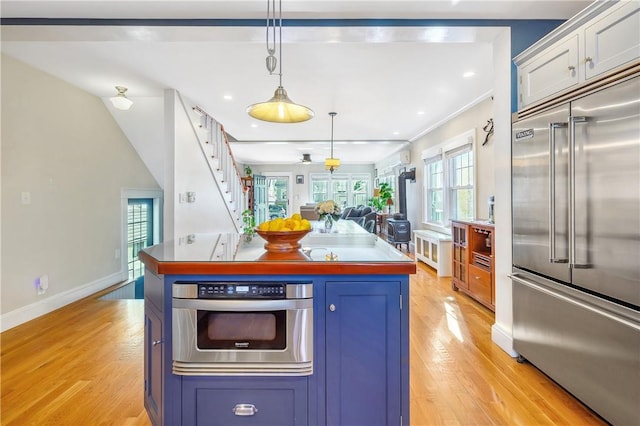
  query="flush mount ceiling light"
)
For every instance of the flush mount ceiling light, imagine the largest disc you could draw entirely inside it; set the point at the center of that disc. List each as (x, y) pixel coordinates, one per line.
(306, 158)
(331, 163)
(120, 101)
(278, 109)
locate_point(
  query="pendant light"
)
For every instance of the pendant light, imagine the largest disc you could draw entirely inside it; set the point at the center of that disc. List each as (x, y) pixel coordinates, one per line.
(331, 163)
(120, 101)
(306, 158)
(280, 108)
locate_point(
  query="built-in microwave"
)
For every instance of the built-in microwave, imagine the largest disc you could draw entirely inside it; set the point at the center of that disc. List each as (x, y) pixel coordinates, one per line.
(242, 328)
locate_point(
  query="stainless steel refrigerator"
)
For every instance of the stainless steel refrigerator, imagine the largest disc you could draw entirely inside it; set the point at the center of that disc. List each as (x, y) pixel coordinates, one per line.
(576, 246)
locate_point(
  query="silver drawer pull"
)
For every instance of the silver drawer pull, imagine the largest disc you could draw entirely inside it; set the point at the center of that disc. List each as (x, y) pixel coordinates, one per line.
(245, 410)
(332, 307)
(156, 342)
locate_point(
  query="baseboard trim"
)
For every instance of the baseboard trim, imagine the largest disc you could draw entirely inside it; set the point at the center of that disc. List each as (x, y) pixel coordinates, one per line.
(35, 310)
(504, 340)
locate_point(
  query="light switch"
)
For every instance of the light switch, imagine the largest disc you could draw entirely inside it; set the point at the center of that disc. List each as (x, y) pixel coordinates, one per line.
(25, 198)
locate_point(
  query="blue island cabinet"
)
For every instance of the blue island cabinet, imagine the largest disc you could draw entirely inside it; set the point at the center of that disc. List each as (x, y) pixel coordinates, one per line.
(360, 364)
(364, 352)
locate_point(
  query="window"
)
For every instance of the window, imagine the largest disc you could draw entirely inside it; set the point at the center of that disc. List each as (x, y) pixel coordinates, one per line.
(435, 190)
(449, 186)
(139, 233)
(461, 185)
(344, 189)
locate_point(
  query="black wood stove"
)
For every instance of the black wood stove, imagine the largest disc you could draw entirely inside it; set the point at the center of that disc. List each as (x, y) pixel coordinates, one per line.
(399, 232)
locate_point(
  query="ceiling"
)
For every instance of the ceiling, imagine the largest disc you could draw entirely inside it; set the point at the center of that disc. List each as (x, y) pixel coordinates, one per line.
(389, 85)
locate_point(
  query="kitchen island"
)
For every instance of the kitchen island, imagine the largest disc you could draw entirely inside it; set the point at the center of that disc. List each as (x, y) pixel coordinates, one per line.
(357, 368)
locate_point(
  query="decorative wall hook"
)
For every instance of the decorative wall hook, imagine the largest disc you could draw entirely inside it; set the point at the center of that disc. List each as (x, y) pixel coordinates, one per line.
(488, 128)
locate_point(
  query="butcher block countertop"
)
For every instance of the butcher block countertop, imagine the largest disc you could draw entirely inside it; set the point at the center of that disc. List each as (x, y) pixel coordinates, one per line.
(348, 249)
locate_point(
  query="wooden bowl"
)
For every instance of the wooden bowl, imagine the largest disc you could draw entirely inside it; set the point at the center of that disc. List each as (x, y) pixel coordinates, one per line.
(282, 241)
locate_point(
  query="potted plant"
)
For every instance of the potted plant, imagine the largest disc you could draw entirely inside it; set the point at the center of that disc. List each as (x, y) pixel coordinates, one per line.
(248, 224)
(247, 170)
(383, 194)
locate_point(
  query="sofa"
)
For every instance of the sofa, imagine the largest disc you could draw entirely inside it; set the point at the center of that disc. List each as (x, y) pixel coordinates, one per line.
(361, 215)
(308, 211)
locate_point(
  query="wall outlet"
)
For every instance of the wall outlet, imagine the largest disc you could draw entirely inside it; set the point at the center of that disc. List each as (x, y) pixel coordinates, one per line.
(182, 197)
(42, 284)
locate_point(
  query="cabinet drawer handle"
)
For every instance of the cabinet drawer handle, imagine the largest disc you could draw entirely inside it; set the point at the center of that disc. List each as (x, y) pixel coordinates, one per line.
(156, 342)
(332, 307)
(588, 59)
(571, 68)
(245, 410)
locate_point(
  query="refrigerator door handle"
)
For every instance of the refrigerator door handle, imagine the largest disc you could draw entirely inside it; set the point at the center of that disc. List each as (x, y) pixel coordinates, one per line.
(572, 193)
(552, 193)
(572, 300)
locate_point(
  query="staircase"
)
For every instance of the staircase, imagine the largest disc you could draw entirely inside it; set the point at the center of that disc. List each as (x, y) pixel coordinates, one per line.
(216, 151)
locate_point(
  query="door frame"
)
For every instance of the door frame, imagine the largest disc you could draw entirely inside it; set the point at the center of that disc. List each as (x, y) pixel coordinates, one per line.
(289, 176)
(158, 220)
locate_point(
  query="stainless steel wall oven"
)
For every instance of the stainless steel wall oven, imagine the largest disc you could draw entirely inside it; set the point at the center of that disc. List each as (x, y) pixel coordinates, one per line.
(242, 328)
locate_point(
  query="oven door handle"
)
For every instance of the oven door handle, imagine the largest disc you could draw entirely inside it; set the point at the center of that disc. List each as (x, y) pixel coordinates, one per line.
(242, 305)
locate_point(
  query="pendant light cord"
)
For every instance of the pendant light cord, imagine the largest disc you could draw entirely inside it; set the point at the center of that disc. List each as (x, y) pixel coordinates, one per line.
(272, 21)
(280, 41)
(332, 114)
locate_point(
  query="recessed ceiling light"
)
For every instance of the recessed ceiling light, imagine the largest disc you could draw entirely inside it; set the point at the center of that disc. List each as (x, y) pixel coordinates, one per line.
(420, 112)
(227, 97)
(360, 143)
(254, 125)
(396, 133)
(468, 74)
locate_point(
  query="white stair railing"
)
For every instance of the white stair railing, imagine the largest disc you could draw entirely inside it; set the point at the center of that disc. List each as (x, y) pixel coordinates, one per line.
(216, 150)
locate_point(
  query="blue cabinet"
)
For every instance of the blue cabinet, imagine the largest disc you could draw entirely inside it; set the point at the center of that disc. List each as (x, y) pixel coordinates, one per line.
(360, 364)
(153, 365)
(363, 353)
(222, 401)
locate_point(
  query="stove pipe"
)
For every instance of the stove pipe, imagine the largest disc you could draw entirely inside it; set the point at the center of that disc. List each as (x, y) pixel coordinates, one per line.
(402, 190)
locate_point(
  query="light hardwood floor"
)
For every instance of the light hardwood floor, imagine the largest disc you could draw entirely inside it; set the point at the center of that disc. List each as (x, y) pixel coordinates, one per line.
(83, 365)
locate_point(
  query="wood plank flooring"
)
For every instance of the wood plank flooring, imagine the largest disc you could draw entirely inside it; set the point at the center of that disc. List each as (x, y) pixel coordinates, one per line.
(83, 365)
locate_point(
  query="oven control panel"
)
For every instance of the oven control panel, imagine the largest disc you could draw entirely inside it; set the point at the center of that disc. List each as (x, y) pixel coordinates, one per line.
(218, 290)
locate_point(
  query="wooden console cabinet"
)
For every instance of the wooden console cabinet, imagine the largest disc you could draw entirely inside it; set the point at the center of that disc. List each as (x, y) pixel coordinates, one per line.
(473, 263)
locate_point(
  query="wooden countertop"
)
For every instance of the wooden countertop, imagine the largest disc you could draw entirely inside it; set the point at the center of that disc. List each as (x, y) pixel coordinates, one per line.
(348, 252)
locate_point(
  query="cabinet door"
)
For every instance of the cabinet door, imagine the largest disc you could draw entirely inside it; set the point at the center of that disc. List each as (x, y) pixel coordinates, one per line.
(460, 257)
(247, 401)
(153, 349)
(363, 341)
(613, 40)
(554, 70)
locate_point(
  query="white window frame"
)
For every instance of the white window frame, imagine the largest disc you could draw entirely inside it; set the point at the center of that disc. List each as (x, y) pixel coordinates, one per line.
(351, 177)
(444, 150)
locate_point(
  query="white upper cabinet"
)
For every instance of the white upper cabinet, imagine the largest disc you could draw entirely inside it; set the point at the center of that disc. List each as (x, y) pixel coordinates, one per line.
(603, 37)
(550, 72)
(613, 39)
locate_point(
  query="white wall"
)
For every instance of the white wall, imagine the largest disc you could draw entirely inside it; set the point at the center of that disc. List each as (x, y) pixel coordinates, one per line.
(473, 118)
(186, 170)
(62, 147)
(501, 332)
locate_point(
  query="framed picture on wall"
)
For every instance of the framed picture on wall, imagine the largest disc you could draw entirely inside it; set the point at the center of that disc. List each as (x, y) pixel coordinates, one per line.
(300, 179)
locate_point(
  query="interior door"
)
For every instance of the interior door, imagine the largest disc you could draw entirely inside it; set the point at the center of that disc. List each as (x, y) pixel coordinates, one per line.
(260, 199)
